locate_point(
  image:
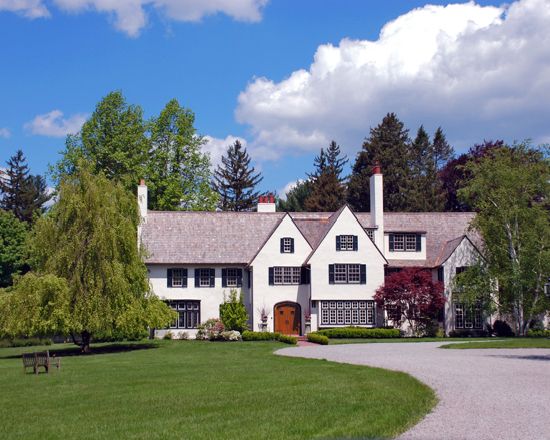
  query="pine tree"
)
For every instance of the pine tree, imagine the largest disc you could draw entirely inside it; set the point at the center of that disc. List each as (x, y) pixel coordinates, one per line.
(296, 197)
(22, 193)
(388, 144)
(423, 178)
(328, 192)
(235, 180)
(442, 151)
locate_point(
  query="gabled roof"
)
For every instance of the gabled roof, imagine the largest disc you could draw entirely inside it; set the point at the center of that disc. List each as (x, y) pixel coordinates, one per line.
(449, 248)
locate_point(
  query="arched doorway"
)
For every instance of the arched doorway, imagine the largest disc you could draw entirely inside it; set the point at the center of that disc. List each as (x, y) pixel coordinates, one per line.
(288, 318)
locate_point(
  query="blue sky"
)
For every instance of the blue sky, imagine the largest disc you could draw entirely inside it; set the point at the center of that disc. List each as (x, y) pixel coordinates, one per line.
(239, 70)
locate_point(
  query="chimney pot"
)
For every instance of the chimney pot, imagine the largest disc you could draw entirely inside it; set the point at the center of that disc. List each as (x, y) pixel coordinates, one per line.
(376, 169)
(142, 182)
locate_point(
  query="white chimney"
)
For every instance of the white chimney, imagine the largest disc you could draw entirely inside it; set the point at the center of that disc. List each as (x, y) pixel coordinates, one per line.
(266, 203)
(142, 200)
(377, 205)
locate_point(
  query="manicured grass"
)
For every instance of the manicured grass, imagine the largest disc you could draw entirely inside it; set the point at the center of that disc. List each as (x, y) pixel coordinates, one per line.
(508, 343)
(400, 340)
(204, 390)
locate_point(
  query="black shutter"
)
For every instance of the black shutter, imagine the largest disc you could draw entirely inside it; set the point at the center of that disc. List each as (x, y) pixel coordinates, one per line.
(331, 273)
(224, 277)
(355, 245)
(305, 275)
(363, 273)
(282, 245)
(418, 242)
(184, 280)
(271, 276)
(169, 278)
(391, 243)
(292, 245)
(197, 275)
(212, 277)
(337, 242)
(249, 276)
(239, 277)
(441, 274)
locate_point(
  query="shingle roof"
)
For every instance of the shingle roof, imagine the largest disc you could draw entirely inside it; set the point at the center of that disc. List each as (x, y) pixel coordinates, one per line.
(229, 237)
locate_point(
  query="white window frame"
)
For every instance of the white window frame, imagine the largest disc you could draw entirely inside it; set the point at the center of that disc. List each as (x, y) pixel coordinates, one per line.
(177, 277)
(404, 242)
(204, 277)
(232, 277)
(354, 273)
(189, 314)
(346, 242)
(287, 245)
(287, 275)
(370, 233)
(347, 273)
(467, 317)
(347, 312)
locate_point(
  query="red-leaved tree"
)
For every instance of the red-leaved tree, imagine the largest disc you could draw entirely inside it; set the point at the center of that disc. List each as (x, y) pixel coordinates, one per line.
(413, 295)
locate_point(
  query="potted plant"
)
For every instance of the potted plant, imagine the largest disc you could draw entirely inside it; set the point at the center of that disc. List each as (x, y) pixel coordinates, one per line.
(307, 320)
(263, 317)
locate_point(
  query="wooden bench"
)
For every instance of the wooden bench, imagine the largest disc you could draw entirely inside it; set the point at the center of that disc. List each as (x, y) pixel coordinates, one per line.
(39, 359)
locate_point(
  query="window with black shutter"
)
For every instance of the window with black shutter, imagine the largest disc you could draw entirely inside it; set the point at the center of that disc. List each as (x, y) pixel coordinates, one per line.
(405, 242)
(331, 273)
(363, 274)
(305, 276)
(441, 274)
(346, 243)
(287, 245)
(271, 276)
(205, 277)
(176, 277)
(232, 277)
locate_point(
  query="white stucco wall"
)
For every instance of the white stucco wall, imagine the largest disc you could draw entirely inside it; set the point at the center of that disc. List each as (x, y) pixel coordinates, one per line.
(464, 255)
(266, 296)
(210, 297)
(326, 254)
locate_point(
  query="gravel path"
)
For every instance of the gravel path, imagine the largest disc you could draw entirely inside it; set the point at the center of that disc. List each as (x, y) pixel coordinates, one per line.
(485, 394)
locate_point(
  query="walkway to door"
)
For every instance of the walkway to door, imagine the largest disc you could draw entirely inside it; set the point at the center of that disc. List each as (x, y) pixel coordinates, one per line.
(288, 318)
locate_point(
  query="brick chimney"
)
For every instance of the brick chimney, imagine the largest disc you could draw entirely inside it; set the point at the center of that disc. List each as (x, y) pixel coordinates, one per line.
(266, 203)
(377, 205)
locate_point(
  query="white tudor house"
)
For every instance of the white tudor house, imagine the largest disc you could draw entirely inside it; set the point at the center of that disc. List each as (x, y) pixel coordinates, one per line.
(295, 266)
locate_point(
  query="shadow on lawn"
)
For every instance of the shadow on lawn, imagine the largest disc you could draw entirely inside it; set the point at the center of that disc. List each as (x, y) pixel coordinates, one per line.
(96, 350)
(528, 357)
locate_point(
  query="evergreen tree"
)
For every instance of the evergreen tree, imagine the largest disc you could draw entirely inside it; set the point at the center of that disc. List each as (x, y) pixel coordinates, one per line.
(23, 194)
(296, 197)
(235, 180)
(178, 173)
(388, 144)
(13, 233)
(442, 151)
(328, 192)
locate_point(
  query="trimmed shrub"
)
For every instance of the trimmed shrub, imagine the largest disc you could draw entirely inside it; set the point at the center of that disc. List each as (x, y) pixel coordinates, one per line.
(210, 330)
(24, 342)
(230, 335)
(468, 333)
(359, 332)
(317, 338)
(248, 335)
(502, 329)
(288, 339)
(538, 333)
(233, 312)
(168, 336)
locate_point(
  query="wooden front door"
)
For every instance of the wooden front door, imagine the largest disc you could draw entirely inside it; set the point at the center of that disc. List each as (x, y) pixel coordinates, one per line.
(288, 318)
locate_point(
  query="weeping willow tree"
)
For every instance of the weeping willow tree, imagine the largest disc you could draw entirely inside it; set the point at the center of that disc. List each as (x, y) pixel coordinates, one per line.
(88, 241)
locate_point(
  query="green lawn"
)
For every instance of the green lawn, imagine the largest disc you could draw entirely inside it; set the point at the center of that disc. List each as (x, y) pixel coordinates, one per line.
(508, 343)
(205, 390)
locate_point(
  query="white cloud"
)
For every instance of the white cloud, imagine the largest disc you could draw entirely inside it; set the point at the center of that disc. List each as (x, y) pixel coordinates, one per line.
(130, 16)
(28, 8)
(5, 132)
(285, 189)
(480, 72)
(217, 147)
(53, 124)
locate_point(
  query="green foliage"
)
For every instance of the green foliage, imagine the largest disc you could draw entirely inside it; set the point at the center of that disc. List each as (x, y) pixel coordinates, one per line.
(538, 333)
(13, 234)
(296, 197)
(178, 173)
(96, 221)
(233, 312)
(22, 194)
(285, 339)
(502, 329)
(210, 329)
(510, 188)
(235, 180)
(316, 338)
(24, 342)
(248, 335)
(359, 332)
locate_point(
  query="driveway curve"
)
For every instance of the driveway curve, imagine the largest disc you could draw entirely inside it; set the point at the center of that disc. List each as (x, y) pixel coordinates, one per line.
(500, 394)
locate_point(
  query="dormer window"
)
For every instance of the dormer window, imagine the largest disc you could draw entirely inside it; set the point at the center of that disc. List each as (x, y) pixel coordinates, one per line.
(405, 242)
(346, 242)
(287, 245)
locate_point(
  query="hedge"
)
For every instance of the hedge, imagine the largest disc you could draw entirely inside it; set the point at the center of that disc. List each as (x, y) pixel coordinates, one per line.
(317, 338)
(538, 333)
(247, 335)
(358, 332)
(288, 339)
(24, 342)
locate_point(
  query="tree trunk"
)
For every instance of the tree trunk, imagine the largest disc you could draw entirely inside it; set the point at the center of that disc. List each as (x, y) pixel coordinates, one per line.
(85, 343)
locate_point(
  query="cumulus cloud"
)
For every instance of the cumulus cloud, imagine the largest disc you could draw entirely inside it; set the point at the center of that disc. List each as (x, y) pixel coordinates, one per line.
(217, 147)
(53, 124)
(285, 189)
(130, 16)
(5, 132)
(480, 72)
(28, 8)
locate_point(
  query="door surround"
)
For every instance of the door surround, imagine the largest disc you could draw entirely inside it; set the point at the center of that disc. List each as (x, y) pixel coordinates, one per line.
(281, 327)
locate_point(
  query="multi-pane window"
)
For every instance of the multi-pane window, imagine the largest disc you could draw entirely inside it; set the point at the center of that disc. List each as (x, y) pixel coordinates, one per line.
(346, 274)
(370, 233)
(286, 275)
(405, 242)
(468, 316)
(287, 245)
(232, 278)
(347, 313)
(179, 277)
(204, 277)
(346, 242)
(188, 314)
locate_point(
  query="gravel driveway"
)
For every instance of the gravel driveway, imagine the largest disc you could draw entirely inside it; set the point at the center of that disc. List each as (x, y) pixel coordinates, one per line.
(484, 394)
